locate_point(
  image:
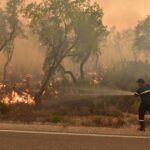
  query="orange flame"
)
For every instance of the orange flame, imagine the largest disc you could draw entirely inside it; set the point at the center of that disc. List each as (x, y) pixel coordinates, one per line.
(16, 98)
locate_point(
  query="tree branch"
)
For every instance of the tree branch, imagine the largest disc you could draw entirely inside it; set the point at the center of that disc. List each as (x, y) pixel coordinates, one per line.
(9, 38)
(69, 73)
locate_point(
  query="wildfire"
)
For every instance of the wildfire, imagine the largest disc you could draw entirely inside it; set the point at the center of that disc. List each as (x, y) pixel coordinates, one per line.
(15, 98)
(2, 86)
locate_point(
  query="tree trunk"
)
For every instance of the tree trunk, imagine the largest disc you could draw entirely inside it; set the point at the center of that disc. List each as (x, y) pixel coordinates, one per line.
(9, 58)
(69, 73)
(82, 74)
(56, 63)
(51, 71)
(82, 64)
(11, 36)
(38, 96)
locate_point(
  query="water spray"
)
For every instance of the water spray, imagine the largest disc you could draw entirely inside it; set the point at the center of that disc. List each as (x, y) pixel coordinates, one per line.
(91, 92)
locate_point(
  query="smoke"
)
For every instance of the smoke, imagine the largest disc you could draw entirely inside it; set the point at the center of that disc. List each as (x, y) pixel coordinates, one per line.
(28, 56)
(124, 13)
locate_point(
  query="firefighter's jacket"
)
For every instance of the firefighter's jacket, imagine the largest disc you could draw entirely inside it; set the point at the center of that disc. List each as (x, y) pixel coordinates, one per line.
(144, 93)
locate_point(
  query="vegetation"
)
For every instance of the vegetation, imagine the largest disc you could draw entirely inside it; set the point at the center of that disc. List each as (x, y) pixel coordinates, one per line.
(62, 27)
(78, 52)
(11, 28)
(142, 32)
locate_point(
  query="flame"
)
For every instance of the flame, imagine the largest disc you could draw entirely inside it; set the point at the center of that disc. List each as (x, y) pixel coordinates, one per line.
(15, 98)
(2, 86)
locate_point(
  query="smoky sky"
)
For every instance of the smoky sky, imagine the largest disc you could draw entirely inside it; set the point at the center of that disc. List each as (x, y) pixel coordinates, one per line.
(122, 13)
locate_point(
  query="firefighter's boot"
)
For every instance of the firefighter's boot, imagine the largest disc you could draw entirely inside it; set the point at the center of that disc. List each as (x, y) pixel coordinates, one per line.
(142, 126)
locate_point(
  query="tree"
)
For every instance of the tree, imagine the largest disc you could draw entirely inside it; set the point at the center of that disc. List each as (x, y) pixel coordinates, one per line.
(90, 32)
(9, 50)
(5, 33)
(70, 73)
(142, 35)
(11, 28)
(60, 30)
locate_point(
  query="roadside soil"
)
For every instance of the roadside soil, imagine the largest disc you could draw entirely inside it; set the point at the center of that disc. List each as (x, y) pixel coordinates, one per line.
(129, 131)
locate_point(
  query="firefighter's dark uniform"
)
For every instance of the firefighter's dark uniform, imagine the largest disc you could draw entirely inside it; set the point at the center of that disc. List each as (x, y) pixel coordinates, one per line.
(144, 93)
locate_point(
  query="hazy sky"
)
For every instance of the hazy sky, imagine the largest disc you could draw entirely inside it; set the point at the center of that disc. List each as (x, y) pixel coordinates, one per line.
(124, 13)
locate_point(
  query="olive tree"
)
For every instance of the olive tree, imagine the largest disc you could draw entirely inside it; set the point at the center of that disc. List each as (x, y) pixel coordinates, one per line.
(142, 35)
(90, 32)
(11, 28)
(60, 26)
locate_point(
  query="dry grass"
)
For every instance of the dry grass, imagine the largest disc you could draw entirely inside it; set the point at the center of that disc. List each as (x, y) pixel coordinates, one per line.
(78, 117)
(109, 112)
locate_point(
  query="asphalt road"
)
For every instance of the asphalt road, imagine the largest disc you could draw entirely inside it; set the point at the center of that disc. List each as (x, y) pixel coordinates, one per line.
(43, 141)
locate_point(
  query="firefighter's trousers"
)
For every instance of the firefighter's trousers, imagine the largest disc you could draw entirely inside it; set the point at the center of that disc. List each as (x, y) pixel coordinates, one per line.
(143, 109)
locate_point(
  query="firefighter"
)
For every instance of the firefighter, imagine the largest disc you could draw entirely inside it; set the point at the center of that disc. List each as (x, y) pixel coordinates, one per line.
(144, 93)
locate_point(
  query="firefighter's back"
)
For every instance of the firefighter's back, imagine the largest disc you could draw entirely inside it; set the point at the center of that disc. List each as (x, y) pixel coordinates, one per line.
(145, 95)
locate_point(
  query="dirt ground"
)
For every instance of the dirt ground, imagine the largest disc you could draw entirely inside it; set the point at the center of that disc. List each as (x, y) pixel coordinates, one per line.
(130, 131)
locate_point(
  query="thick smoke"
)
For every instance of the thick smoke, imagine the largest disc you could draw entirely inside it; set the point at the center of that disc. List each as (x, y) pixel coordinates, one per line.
(124, 13)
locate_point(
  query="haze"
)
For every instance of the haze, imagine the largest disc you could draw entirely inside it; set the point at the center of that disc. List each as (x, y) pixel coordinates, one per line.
(123, 14)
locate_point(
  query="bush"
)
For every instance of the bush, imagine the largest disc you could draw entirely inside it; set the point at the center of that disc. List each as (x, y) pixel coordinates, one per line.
(123, 76)
(4, 109)
(56, 119)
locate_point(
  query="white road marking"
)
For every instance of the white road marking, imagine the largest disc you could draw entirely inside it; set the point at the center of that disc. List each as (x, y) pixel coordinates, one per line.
(75, 134)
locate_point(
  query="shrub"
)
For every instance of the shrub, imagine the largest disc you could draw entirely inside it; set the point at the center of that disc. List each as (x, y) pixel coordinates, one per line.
(56, 119)
(4, 108)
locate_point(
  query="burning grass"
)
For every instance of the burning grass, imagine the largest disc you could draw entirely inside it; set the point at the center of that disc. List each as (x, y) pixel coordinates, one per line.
(17, 105)
(102, 113)
(15, 95)
(15, 98)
